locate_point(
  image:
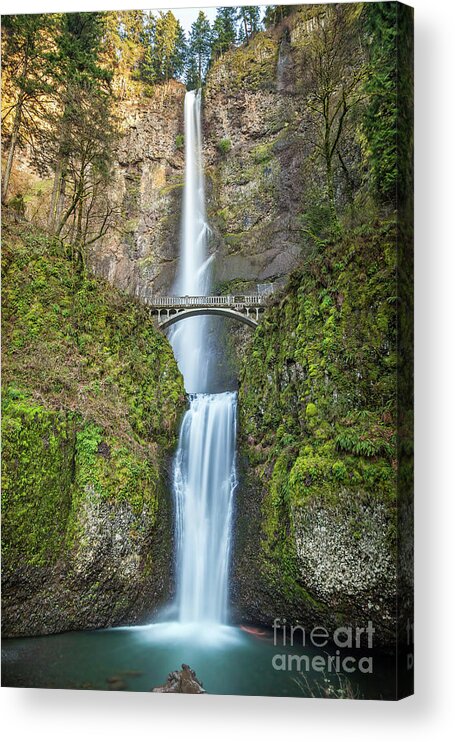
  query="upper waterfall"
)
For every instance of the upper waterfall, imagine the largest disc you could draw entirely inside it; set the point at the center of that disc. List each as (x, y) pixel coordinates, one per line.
(188, 339)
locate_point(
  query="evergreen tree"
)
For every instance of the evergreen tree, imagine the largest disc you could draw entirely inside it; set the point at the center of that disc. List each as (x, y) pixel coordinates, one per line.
(26, 40)
(179, 56)
(199, 50)
(274, 14)
(250, 21)
(224, 34)
(169, 48)
(131, 33)
(192, 79)
(128, 47)
(147, 64)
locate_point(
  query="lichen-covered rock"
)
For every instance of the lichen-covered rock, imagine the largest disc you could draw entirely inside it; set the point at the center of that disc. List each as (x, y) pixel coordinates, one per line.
(345, 558)
(91, 407)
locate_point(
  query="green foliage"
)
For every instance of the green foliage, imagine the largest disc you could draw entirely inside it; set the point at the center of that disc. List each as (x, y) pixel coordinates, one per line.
(224, 146)
(333, 60)
(146, 70)
(179, 141)
(319, 223)
(145, 48)
(37, 465)
(79, 132)
(129, 46)
(366, 441)
(381, 114)
(26, 81)
(275, 14)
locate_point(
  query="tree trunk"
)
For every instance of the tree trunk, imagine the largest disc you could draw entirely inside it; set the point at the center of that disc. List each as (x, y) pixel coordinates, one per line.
(12, 149)
(58, 195)
(328, 165)
(78, 241)
(61, 197)
(17, 124)
(52, 220)
(246, 29)
(78, 238)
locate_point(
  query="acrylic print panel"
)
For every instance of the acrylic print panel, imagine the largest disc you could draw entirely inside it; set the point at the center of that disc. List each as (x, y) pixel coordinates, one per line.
(207, 350)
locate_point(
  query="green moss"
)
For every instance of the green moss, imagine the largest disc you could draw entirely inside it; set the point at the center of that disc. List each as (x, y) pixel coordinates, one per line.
(92, 398)
(311, 410)
(112, 471)
(166, 190)
(279, 562)
(251, 66)
(263, 153)
(224, 146)
(317, 392)
(79, 344)
(37, 471)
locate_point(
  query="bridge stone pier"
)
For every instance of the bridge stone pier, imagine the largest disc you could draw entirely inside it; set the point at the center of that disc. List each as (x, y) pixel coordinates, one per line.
(171, 309)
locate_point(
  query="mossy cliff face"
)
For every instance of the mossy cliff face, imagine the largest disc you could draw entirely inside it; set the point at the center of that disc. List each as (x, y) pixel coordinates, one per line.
(91, 407)
(140, 255)
(316, 508)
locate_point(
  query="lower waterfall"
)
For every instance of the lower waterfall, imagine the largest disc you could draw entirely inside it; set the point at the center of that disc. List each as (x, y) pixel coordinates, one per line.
(204, 482)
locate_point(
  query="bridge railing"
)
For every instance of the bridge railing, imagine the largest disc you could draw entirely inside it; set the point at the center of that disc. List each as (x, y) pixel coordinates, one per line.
(189, 301)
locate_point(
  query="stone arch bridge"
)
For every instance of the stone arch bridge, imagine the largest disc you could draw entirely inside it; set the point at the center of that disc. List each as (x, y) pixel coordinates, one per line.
(171, 309)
